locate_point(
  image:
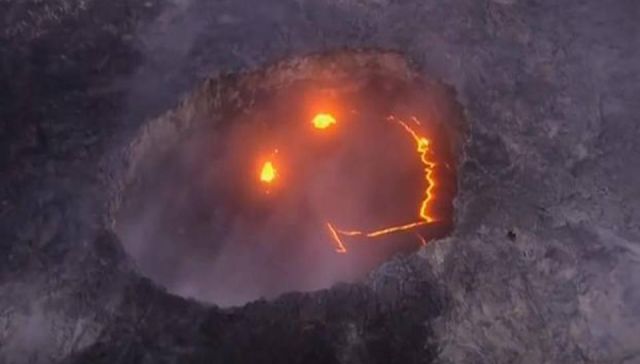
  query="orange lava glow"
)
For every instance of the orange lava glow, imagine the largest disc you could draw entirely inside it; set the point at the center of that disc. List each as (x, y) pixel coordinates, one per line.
(423, 147)
(323, 121)
(268, 173)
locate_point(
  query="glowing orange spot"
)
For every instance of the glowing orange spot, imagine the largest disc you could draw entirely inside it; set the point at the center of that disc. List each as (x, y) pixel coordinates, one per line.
(268, 173)
(323, 121)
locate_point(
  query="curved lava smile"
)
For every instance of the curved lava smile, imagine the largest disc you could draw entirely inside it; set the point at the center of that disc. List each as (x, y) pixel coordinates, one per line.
(324, 121)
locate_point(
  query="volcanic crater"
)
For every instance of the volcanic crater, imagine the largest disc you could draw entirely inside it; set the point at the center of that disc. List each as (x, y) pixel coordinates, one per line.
(292, 177)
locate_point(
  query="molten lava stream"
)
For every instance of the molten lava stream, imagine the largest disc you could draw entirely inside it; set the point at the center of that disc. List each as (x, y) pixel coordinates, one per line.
(423, 146)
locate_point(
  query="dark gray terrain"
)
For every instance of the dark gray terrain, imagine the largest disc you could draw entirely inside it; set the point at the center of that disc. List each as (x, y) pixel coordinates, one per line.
(543, 265)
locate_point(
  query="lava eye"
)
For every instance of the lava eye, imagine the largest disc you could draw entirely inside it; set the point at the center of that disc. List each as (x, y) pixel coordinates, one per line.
(268, 173)
(323, 121)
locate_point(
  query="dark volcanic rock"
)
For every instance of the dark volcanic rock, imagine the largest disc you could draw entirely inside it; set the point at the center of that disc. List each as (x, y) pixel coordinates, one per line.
(351, 323)
(542, 265)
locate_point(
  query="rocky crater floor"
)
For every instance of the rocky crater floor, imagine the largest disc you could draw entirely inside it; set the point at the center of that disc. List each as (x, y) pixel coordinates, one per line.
(543, 262)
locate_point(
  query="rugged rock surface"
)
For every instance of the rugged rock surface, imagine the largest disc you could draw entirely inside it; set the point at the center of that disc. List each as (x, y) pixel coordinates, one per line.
(542, 266)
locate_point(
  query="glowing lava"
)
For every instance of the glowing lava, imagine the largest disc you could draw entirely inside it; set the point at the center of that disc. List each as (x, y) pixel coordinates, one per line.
(423, 147)
(323, 121)
(268, 173)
